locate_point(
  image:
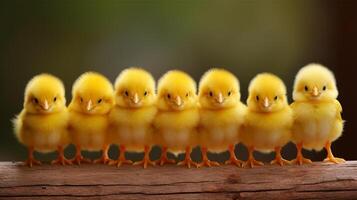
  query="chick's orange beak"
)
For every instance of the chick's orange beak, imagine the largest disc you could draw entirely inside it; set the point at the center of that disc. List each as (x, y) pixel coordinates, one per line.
(89, 105)
(315, 92)
(178, 101)
(45, 105)
(135, 99)
(219, 99)
(266, 103)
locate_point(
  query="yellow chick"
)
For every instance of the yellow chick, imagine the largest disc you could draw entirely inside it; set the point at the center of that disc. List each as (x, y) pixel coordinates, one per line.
(92, 100)
(42, 124)
(221, 114)
(268, 119)
(131, 118)
(317, 112)
(178, 116)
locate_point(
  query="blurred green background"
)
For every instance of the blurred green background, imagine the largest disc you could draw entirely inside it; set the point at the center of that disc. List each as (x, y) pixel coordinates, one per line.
(67, 38)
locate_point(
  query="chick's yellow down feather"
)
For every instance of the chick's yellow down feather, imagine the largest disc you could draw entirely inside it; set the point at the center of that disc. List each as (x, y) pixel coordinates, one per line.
(317, 112)
(92, 100)
(221, 114)
(42, 124)
(268, 119)
(178, 115)
(132, 116)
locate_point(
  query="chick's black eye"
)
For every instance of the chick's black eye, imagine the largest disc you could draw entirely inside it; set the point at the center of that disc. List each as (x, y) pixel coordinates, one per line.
(100, 100)
(145, 93)
(229, 93)
(55, 99)
(35, 100)
(186, 94)
(81, 99)
(306, 88)
(257, 98)
(276, 98)
(211, 94)
(126, 93)
(324, 88)
(168, 96)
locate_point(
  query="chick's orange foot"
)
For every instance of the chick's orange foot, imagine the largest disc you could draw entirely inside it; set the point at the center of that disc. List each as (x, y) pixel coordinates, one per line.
(330, 157)
(234, 161)
(164, 159)
(32, 161)
(61, 160)
(188, 161)
(280, 161)
(146, 161)
(251, 162)
(208, 163)
(120, 162)
(102, 160)
(300, 159)
(78, 159)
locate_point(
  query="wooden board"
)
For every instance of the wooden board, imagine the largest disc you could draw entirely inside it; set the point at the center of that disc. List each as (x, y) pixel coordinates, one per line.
(318, 180)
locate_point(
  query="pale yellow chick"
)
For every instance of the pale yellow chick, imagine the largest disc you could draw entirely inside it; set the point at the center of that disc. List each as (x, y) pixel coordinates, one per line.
(42, 124)
(92, 100)
(268, 120)
(131, 118)
(221, 114)
(317, 112)
(178, 115)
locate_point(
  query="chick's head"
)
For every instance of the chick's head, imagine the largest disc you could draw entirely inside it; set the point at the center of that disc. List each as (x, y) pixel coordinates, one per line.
(176, 91)
(44, 94)
(314, 82)
(218, 88)
(92, 93)
(135, 88)
(267, 93)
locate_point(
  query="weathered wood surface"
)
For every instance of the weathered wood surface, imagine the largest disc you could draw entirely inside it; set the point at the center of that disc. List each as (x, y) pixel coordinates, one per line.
(317, 181)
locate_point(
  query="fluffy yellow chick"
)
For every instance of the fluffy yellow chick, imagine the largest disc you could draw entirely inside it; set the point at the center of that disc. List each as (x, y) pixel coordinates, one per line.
(42, 124)
(221, 114)
(178, 115)
(317, 112)
(92, 100)
(131, 118)
(268, 119)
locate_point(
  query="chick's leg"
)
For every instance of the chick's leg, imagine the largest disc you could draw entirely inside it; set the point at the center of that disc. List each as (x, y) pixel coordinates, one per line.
(330, 157)
(251, 162)
(188, 161)
(299, 157)
(146, 160)
(205, 160)
(164, 159)
(232, 157)
(121, 159)
(104, 158)
(61, 159)
(278, 158)
(78, 158)
(31, 159)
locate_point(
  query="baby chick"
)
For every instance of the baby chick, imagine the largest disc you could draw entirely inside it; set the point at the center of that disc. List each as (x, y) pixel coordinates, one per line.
(92, 99)
(221, 114)
(268, 119)
(42, 124)
(317, 112)
(131, 118)
(178, 115)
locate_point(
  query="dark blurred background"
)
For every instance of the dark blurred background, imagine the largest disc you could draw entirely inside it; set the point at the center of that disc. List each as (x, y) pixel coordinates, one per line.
(67, 38)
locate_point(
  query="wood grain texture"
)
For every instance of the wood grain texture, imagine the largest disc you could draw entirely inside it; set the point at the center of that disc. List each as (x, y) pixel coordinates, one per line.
(317, 181)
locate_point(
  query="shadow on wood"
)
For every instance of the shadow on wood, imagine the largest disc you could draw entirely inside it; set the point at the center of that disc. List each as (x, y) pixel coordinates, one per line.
(318, 180)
